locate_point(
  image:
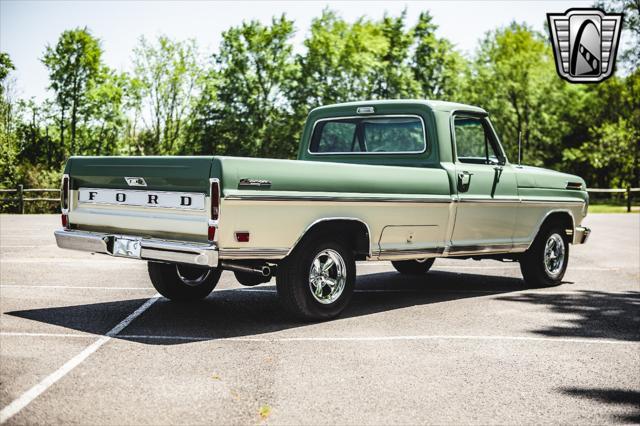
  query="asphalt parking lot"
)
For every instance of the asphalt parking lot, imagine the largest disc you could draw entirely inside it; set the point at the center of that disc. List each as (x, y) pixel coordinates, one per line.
(84, 339)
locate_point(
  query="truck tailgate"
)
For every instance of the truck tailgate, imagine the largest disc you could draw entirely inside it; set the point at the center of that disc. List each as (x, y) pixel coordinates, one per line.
(162, 197)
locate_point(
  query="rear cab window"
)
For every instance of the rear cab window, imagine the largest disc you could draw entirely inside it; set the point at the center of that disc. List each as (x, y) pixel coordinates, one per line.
(369, 135)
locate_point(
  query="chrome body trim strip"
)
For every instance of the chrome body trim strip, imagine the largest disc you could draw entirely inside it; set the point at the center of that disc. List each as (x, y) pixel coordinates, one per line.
(489, 200)
(424, 135)
(270, 197)
(373, 199)
(479, 249)
(393, 254)
(254, 253)
(201, 254)
(552, 201)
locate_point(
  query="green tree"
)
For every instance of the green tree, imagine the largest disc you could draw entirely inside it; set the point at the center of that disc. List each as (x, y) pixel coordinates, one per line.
(437, 67)
(514, 78)
(395, 75)
(6, 66)
(341, 63)
(75, 65)
(604, 143)
(244, 108)
(106, 109)
(166, 74)
(8, 150)
(629, 53)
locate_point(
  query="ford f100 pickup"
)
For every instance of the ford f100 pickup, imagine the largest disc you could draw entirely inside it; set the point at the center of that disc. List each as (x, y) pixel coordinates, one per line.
(404, 181)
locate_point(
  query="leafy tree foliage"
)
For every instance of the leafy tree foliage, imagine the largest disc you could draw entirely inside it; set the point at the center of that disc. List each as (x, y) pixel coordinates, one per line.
(167, 74)
(75, 65)
(244, 107)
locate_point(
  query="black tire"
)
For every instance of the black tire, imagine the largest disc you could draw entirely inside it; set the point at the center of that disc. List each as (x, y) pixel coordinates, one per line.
(413, 267)
(183, 282)
(293, 280)
(533, 263)
(249, 279)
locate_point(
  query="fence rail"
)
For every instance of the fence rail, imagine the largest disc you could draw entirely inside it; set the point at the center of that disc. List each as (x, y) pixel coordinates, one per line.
(21, 199)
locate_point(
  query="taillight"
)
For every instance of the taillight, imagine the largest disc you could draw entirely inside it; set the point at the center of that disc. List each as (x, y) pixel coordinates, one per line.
(64, 193)
(215, 199)
(65, 221)
(211, 234)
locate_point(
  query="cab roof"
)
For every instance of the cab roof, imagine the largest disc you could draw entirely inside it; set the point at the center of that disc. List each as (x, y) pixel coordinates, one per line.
(432, 105)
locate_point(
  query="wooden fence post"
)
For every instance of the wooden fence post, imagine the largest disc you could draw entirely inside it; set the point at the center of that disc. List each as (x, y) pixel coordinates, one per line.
(21, 199)
(628, 199)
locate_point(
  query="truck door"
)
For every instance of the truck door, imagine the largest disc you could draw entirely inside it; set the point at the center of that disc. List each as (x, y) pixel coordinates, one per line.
(486, 187)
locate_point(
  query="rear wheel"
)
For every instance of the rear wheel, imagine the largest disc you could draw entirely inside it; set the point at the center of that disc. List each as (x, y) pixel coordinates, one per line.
(545, 263)
(413, 267)
(183, 282)
(316, 281)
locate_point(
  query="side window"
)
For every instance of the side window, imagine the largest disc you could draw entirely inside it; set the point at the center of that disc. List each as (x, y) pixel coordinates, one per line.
(473, 143)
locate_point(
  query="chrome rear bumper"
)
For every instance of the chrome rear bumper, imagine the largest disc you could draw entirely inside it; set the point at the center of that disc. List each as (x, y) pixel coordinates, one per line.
(581, 235)
(150, 249)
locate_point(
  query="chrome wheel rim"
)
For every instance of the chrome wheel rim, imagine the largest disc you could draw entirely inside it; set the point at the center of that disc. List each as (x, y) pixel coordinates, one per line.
(327, 276)
(192, 277)
(554, 255)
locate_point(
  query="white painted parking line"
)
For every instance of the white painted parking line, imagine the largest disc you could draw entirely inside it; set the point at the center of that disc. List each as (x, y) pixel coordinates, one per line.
(26, 398)
(103, 261)
(75, 287)
(382, 339)
(26, 334)
(5, 246)
(334, 338)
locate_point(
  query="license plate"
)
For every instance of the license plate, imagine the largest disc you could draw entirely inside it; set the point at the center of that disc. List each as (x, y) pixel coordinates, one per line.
(126, 247)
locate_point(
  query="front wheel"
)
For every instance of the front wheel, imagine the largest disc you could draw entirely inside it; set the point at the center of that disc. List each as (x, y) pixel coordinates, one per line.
(545, 263)
(316, 281)
(183, 282)
(413, 267)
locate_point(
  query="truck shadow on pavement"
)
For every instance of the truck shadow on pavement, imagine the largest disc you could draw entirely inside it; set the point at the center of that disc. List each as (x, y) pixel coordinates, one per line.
(254, 311)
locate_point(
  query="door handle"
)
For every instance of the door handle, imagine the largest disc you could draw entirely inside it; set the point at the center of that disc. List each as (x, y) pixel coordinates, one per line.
(464, 180)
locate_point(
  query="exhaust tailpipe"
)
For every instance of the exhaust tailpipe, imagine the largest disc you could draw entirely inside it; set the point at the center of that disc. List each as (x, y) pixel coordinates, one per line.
(263, 270)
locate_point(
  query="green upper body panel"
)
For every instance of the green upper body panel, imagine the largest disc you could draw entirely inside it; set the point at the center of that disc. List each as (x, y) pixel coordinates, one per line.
(167, 173)
(290, 176)
(429, 173)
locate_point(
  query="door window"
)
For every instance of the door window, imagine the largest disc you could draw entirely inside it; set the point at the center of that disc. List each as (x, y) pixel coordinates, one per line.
(474, 143)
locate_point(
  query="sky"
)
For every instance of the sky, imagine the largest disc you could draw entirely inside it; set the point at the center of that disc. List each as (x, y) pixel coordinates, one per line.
(27, 27)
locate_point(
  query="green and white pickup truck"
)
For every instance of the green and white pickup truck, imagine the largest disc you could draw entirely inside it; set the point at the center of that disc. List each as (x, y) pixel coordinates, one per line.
(406, 181)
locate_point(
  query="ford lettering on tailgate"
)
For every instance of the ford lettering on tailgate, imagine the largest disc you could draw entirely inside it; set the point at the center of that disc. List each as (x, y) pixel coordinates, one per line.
(128, 197)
